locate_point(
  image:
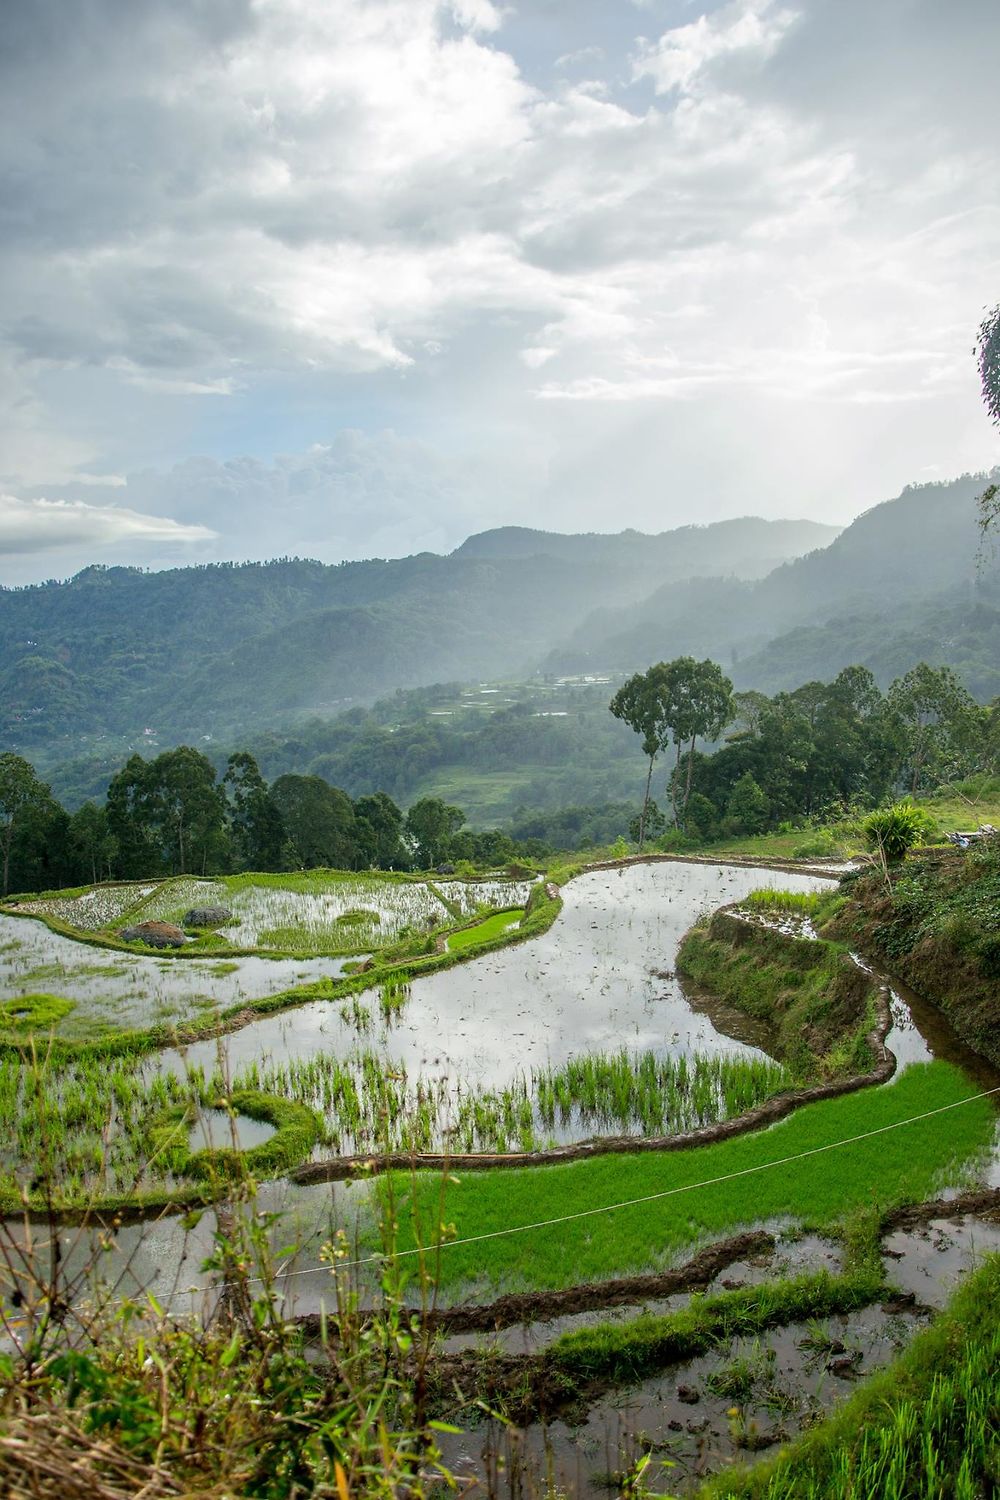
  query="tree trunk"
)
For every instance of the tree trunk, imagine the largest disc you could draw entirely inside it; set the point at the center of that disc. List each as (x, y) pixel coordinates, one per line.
(673, 785)
(687, 783)
(645, 805)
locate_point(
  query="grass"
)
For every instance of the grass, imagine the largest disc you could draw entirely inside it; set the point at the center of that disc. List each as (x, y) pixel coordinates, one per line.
(627, 1351)
(27, 1014)
(925, 1429)
(499, 923)
(903, 1165)
(937, 925)
(816, 1003)
(368, 1107)
(297, 1129)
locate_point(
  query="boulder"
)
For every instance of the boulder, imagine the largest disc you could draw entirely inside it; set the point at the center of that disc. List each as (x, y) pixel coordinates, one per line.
(445, 869)
(154, 934)
(207, 916)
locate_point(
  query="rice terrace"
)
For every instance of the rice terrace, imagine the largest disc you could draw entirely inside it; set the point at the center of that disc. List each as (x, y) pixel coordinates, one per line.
(500, 750)
(648, 1170)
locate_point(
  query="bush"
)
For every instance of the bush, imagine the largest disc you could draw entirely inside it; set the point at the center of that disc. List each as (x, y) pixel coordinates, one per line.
(891, 831)
(820, 845)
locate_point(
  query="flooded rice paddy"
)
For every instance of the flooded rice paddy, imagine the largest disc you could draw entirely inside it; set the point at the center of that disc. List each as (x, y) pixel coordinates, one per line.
(112, 989)
(600, 979)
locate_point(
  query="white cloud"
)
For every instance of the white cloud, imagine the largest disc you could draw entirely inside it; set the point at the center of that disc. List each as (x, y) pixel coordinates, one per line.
(747, 28)
(388, 213)
(53, 525)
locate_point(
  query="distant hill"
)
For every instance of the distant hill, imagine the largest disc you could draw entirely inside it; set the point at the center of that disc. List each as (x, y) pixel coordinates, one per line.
(747, 547)
(880, 585)
(193, 653)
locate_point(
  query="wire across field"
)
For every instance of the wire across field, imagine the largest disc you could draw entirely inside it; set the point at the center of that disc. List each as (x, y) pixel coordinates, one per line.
(902, 1165)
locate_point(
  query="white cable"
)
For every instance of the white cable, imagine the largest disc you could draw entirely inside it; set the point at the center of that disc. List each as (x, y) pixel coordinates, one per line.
(585, 1213)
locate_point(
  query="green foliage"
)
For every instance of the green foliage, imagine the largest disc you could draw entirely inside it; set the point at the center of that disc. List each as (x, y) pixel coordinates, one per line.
(936, 926)
(814, 1001)
(904, 1164)
(638, 1347)
(496, 926)
(431, 826)
(33, 1013)
(891, 831)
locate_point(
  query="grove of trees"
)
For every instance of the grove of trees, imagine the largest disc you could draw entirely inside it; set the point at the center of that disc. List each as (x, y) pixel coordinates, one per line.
(175, 815)
(823, 748)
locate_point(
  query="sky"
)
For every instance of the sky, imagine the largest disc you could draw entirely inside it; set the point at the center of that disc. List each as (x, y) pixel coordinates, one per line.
(353, 278)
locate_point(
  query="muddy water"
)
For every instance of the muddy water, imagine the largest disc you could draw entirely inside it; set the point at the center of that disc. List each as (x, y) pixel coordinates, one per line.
(601, 978)
(117, 989)
(690, 1428)
(694, 1420)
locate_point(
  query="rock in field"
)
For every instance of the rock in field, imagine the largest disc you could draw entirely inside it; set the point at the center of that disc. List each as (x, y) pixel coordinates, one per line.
(154, 934)
(207, 916)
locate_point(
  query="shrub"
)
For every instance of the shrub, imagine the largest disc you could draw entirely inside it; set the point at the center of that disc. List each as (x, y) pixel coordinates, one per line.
(891, 831)
(819, 845)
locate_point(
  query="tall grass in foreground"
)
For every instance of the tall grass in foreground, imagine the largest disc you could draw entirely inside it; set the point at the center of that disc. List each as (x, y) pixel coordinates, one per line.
(926, 1429)
(106, 1393)
(907, 1164)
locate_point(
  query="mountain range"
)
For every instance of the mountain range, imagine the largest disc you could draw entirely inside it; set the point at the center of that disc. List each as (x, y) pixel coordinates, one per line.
(117, 657)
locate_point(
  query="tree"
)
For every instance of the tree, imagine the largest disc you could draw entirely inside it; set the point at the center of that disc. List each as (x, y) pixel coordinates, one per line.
(699, 705)
(92, 844)
(431, 825)
(168, 812)
(380, 831)
(128, 823)
(319, 822)
(988, 359)
(642, 704)
(747, 807)
(255, 824)
(939, 721)
(20, 791)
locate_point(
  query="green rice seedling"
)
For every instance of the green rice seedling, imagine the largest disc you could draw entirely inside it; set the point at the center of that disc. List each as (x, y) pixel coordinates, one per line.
(799, 903)
(903, 1163)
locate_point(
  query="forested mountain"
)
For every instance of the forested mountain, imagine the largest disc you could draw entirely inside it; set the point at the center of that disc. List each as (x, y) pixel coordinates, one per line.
(208, 651)
(117, 659)
(882, 593)
(749, 547)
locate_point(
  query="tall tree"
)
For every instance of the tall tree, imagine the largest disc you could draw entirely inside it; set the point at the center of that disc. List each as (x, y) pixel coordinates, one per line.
(642, 703)
(168, 812)
(988, 359)
(92, 844)
(940, 722)
(319, 822)
(380, 831)
(431, 824)
(20, 792)
(699, 705)
(255, 823)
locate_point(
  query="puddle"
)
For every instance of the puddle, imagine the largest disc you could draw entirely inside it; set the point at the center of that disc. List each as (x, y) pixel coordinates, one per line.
(215, 1128)
(928, 1261)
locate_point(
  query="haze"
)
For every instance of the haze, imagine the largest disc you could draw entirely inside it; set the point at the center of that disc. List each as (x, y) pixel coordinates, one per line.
(360, 278)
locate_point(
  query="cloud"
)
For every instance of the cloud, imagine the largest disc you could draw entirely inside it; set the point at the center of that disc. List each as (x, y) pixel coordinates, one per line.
(396, 217)
(746, 28)
(53, 525)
